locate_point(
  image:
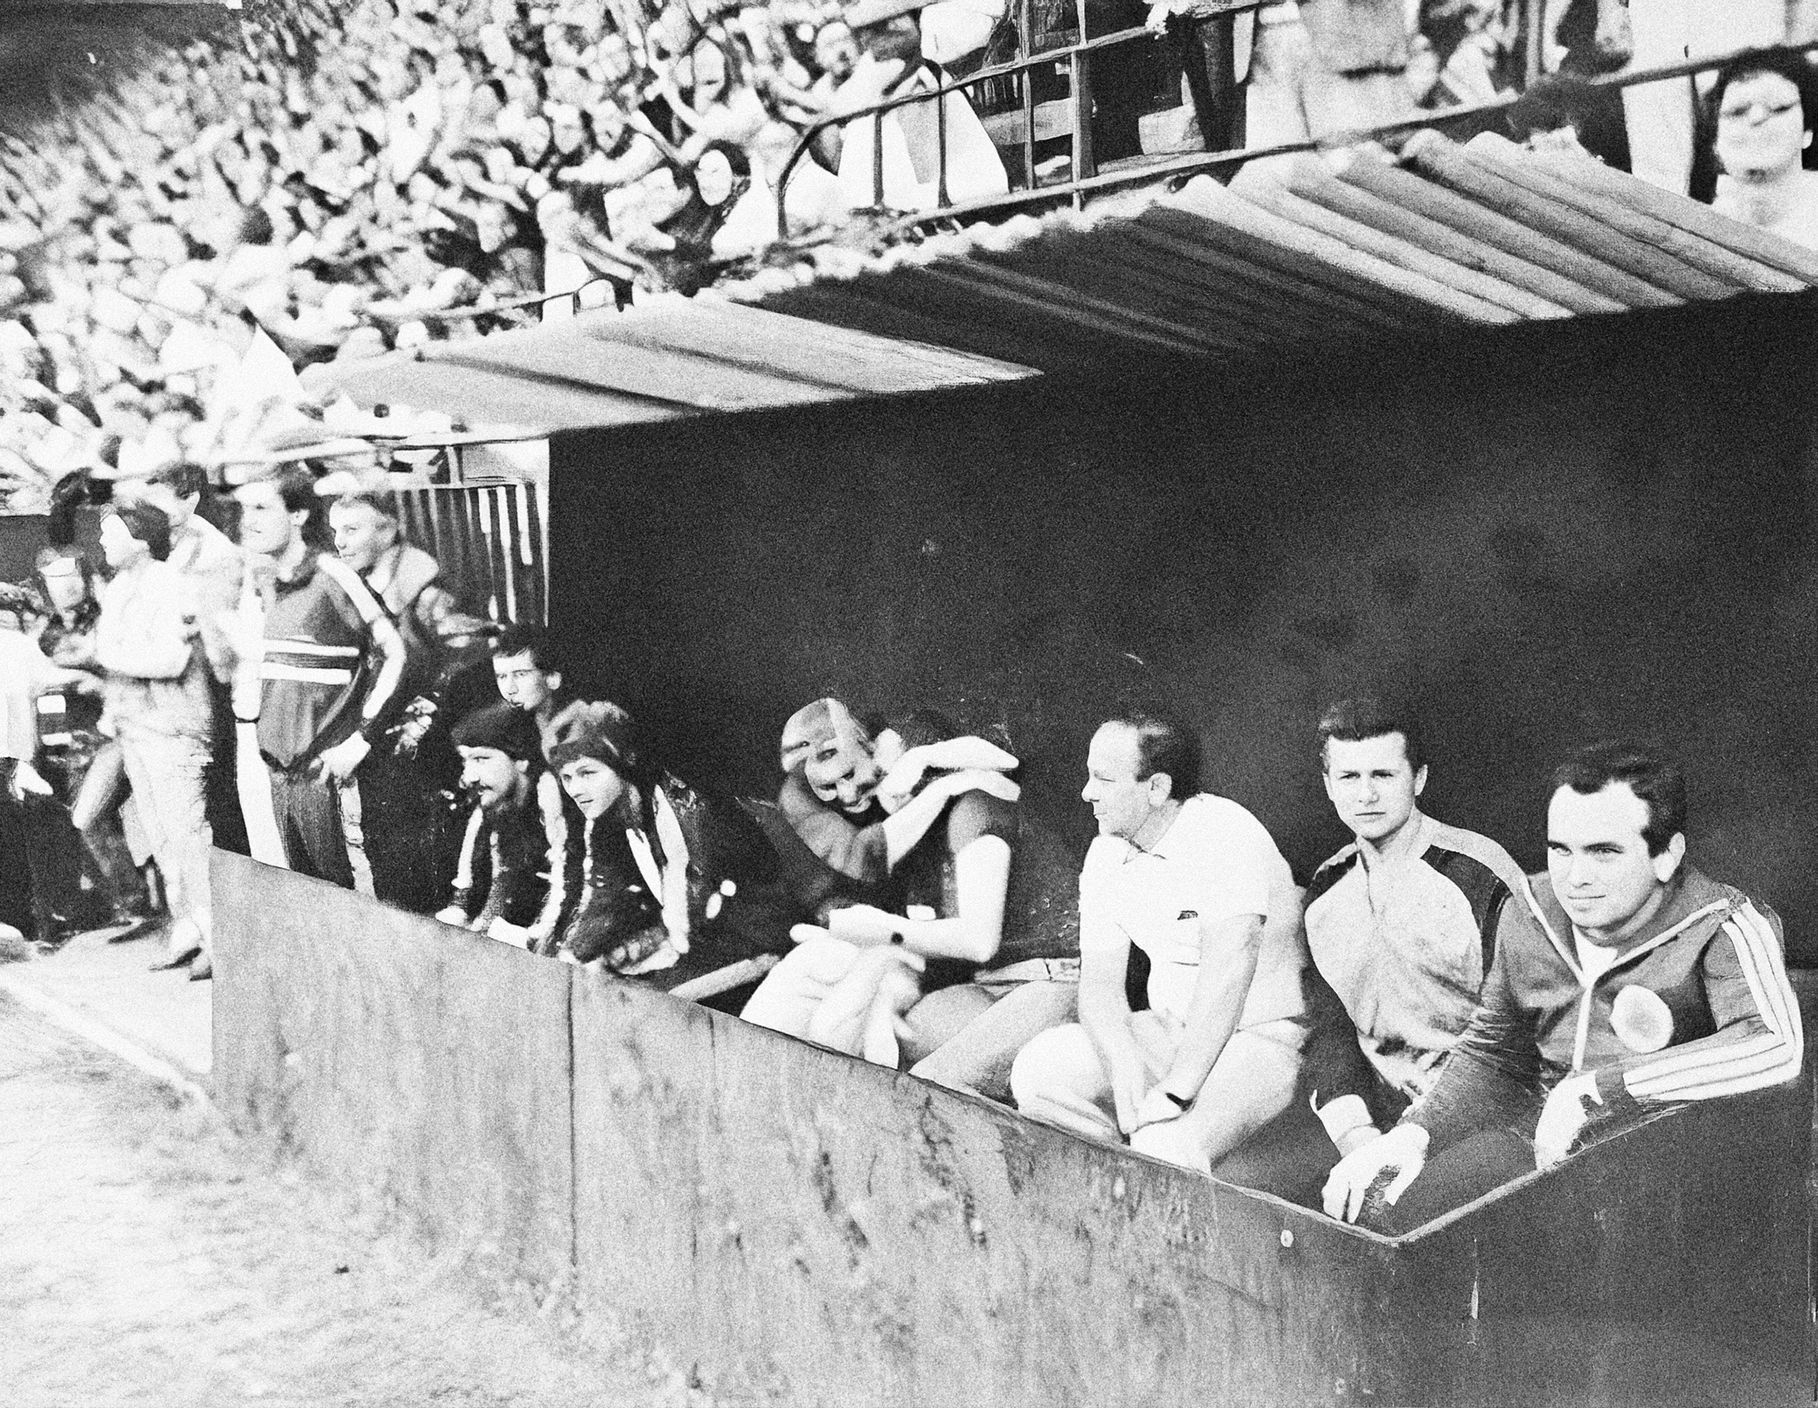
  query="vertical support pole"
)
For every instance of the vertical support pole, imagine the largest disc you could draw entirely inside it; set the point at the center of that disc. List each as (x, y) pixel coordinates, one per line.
(940, 155)
(877, 158)
(1025, 38)
(1534, 32)
(1080, 73)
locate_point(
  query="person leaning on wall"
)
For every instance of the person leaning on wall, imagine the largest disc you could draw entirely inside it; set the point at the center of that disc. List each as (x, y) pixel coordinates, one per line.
(1625, 983)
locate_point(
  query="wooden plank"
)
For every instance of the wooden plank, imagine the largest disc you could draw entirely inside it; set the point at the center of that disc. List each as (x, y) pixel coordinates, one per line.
(1322, 279)
(1053, 118)
(810, 1229)
(1284, 181)
(1451, 285)
(1314, 182)
(1441, 159)
(1777, 253)
(421, 1066)
(1618, 289)
(1734, 270)
(1278, 299)
(1421, 298)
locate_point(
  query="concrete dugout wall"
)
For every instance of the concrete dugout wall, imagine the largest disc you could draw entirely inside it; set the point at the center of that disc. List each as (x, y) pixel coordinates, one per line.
(1550, 533)
(811, 1230)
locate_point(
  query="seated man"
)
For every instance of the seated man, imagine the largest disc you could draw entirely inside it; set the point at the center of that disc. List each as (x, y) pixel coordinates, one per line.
(849, 985)
(528, 673)
(1627, 984)
(1401, 923)
(1196, 883)
(669, 883)
(508, 884)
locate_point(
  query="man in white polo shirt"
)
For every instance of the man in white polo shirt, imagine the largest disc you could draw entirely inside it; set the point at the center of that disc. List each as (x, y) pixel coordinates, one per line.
(1196, 883)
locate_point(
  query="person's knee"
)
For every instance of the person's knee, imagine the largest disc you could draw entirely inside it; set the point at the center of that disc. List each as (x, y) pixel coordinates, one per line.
(1041, 1065)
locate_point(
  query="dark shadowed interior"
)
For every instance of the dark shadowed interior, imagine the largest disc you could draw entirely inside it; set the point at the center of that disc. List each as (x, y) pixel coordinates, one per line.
(1548, 534)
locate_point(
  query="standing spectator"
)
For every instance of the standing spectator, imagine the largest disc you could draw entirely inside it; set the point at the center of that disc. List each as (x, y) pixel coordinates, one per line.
(1324, 68)
(508, 884)
(332, 662)
(1667, 32)
(82, 764)
(1762, 132)
(216, 568)
(25, 674)
(399, 814)
(158, 706)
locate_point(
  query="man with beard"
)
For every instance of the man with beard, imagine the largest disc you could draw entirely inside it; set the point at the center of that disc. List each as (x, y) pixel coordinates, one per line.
(509, 882)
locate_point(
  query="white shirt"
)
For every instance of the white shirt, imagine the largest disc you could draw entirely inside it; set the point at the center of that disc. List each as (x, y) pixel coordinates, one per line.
(1216, 861)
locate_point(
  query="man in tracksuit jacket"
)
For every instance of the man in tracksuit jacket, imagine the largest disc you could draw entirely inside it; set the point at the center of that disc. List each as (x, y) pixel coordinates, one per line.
(1625, 983)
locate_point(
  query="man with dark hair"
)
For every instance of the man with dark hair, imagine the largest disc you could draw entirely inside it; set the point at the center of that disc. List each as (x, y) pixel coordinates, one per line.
(215, 568)
(1196, 883)
(331, 665)
(528, 670)
(1401, 923)
(148, 640)
(508, 884)
(1626, 985)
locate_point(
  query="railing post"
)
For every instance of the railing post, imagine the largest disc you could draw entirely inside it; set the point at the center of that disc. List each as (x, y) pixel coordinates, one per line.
(940, 147)
(877, 158)
(1025, 38)
(1534, 26)
(1080, 74)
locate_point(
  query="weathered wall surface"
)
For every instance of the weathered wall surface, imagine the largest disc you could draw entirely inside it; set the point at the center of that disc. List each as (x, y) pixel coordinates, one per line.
(1550, 534)
(811, 1229)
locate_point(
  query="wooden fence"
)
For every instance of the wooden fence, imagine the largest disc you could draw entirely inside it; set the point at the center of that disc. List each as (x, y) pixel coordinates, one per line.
(804, 1226)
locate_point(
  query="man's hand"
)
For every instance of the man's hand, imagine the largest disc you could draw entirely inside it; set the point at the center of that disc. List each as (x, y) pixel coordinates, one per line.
(1403, 1150)
(29, 782)
(507, 933)
(338, 764)
(1563, 1118)
(1154, 1108)
(1130, 1087)
(864, 924)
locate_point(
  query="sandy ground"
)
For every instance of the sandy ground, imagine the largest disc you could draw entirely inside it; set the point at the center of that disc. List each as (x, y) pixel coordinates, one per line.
(150, 1260)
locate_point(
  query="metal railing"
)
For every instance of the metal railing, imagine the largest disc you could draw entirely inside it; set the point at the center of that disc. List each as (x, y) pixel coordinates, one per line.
(1085, 179)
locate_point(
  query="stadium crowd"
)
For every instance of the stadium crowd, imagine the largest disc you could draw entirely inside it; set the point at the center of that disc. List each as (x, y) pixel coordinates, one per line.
(1438, 1021)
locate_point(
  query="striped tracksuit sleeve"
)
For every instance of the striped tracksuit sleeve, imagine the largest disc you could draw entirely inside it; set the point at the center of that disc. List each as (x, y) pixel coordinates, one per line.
(1759, 1039)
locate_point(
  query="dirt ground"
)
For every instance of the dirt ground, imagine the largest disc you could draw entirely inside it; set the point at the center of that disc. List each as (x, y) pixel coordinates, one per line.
(149, 1260)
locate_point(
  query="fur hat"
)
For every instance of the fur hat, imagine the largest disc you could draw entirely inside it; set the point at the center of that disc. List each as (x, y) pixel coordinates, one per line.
(602, 731)
(502, 726)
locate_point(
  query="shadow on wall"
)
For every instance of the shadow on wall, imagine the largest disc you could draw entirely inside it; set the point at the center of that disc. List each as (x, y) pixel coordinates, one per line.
(1548, 534)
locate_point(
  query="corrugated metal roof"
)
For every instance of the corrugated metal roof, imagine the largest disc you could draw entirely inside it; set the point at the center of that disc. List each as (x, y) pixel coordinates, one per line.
(1305, 252)
(678, 358)
(1348, 247)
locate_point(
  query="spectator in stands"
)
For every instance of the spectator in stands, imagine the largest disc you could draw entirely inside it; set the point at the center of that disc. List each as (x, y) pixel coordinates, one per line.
(81, 763)
(1624, 982)
(1762, 130)
(672, 884)
(1401, 923)
(150, 640)
(26, 673)
(508, 884)
(1194, 881)
(399, 815)
(899, 56)
(1324, 68)
(329, 671)
(969, 886)
(1668, 32)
